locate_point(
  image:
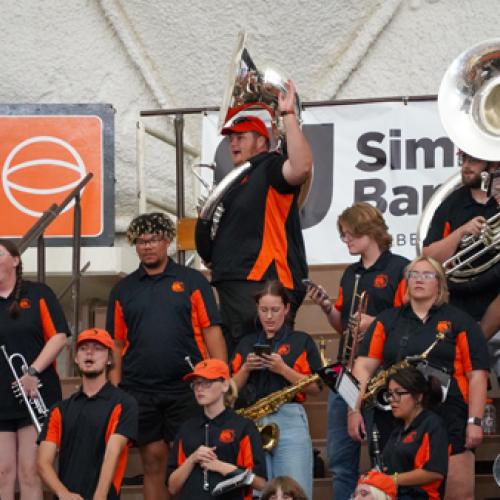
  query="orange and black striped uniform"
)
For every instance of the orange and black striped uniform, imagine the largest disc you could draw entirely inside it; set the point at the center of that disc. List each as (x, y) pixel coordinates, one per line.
(237, 442)
(259, 236)
(160, 319)
(40, 318)
(456, 210)
(422, 445)
(80, 427)
(462, 350)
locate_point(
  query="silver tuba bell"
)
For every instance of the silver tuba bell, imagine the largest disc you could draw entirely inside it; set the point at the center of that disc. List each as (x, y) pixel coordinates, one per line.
(469, 108)
(249, 91)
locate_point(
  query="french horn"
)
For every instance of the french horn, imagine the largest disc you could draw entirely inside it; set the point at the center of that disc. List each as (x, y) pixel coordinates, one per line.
(469, 108)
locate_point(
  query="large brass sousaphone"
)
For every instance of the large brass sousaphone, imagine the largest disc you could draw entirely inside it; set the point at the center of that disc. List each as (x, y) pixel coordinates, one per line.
(469, 108)
(248, 91)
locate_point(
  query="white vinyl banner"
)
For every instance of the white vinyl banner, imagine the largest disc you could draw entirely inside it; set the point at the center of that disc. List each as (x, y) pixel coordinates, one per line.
(390, 154)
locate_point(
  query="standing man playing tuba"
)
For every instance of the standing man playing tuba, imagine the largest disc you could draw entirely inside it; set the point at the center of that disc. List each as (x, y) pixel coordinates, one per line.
(259, 236)
(461, 214)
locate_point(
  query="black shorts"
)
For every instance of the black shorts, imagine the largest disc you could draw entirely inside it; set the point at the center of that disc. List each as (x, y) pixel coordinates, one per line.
(454, 414)
(161, 414)
(14, 424)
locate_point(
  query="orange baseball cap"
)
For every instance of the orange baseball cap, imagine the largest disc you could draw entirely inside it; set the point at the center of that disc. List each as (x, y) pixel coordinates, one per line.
(210, 369)
(96, 335)
(247, 124)
(382, 481)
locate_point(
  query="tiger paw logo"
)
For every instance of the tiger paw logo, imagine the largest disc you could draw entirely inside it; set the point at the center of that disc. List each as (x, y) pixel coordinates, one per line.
(227, 436)
(177, 286)
(283, 349)
(410, 438)
(380, 281)
(24, 304)
(444, 327)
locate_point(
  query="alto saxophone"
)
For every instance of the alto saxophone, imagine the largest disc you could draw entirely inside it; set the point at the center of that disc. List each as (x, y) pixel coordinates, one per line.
(271, 403)
(377, 384)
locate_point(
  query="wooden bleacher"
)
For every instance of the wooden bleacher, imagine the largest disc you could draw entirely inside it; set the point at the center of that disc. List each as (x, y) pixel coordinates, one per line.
(311, 319)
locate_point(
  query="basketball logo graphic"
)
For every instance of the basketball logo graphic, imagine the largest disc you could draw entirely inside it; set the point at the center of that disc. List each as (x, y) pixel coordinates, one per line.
(18, 193)
(42, 159)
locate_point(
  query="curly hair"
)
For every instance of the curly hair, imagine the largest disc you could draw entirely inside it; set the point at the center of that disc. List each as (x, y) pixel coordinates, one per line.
(152, 223)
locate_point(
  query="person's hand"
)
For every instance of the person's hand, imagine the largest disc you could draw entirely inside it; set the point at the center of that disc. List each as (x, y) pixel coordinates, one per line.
(203, 454)
(214, 466)
(70, 496)
(356, 426)
(274, 363)
(473, 227)
(473, 436)
(286, 103)
(254, 362)
(365, 322)
(30, 384)
(319, 296)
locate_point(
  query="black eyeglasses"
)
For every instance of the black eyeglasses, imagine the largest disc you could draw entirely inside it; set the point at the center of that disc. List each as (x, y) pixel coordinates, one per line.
(395, 395)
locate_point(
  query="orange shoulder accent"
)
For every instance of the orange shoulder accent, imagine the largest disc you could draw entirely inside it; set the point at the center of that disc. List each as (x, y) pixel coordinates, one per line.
(122, 459)
(181, 456)
(236, 363)
(199, 320)
(301, 364)
(113, 421)
(120, 327)
(274, 241)
(462, 364)
(377, 342)
(245, 454)
(48, 327)
(399, 296)
(421, 458)
(446, 229)
(423, 453)
(54, 427)
(340, 300)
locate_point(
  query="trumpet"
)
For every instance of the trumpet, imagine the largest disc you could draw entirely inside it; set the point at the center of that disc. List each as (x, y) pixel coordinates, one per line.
(37, 409)
(350, 336)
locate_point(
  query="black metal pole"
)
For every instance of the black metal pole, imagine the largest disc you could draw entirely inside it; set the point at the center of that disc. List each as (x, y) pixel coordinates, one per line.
(75, 273)
(40, 259)
(179, 175)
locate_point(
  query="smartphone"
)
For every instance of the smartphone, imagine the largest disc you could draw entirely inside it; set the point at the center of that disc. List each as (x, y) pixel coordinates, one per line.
(309, 283)
(261, 349)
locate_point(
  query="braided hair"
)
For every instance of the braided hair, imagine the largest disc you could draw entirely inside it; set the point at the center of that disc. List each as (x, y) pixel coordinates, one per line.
(14, 308)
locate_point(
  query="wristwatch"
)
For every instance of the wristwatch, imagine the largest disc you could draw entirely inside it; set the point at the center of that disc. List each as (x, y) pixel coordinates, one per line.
(474, 421)
(33, 371)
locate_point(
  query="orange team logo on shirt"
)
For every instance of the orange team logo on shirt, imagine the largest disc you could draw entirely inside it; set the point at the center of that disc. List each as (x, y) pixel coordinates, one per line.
(226, 436)
(410, 438)
(444, 326)
(380, 281)
(177, 286)
(284, 349)
(24, 304)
